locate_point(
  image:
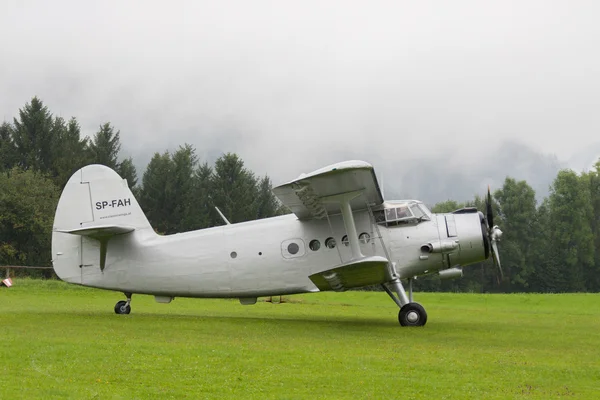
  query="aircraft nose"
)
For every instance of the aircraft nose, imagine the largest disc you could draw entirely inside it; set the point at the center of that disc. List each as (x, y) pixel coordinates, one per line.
(473, 238)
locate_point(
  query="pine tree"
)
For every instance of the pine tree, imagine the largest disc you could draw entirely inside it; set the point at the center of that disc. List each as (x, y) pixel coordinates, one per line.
(69, 150)
(105, 146)
(127, 171)
(593, 273)
(184, 163)
(32, 136)
(549, 274)
(517, 212)
(235, 189)
(267, 203)
(202, 214)
(154, 197)
(8, 151)
(570, 230)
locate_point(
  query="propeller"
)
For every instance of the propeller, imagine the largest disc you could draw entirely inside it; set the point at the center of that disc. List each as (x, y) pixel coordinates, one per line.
(494, 233)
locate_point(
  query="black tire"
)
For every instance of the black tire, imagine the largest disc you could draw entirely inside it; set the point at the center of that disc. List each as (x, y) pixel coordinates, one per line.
(412, 314)
(122, 307)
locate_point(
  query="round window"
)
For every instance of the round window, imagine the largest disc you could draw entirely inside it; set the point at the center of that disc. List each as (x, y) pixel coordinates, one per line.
(293, 248)
(345, 240)
(330, 243)
(233, 254)
(364, 237)
(314, 245)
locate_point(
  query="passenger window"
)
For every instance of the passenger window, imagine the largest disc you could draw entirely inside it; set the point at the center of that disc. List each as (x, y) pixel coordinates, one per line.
(314, 245)
(364, 238)
(293, 248)
(330, 243)
(345, 241)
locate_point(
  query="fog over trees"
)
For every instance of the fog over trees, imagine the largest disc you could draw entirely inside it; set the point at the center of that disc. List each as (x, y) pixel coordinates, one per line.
(550, 215)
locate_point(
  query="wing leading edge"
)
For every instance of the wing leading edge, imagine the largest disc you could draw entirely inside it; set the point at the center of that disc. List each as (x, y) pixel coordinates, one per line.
(304, 195)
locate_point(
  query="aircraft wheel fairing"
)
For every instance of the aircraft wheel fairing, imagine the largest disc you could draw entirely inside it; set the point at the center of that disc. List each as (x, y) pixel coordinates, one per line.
(412, 314)
(122, 307)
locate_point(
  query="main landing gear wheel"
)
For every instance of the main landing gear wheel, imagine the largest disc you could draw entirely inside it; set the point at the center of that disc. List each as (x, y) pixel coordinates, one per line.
(412, 314)
(122, 307)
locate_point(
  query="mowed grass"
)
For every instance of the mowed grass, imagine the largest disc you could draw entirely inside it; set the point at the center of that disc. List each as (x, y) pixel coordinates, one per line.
(64, 341)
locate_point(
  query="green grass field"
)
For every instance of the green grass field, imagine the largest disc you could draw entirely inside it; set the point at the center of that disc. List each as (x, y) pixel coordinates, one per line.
(64, 341)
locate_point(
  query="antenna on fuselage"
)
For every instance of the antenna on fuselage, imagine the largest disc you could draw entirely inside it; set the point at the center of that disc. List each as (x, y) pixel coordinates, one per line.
(222, 216)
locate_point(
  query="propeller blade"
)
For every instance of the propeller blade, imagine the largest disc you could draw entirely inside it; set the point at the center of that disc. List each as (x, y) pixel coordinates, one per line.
(497, 258)
(488, 206)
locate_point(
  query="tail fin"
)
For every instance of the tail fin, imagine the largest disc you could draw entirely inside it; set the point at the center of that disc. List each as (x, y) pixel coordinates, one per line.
(96, 204)
(96, 196)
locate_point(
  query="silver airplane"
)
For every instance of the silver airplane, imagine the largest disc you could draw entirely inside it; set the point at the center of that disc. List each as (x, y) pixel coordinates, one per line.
(341, 235)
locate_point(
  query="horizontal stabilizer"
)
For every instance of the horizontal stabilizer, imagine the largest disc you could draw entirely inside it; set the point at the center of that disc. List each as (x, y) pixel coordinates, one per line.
(102, 233)
(99, 232)
(364, 272)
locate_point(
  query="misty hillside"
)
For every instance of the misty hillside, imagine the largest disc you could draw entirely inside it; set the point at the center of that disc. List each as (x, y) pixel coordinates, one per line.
(586, 157)
(433, 180)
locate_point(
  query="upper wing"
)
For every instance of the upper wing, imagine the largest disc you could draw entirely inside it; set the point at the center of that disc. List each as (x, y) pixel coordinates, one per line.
(304, 195)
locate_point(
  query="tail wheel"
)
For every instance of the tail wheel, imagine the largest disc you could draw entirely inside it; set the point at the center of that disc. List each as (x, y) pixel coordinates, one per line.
(122, 307)
(412, 314)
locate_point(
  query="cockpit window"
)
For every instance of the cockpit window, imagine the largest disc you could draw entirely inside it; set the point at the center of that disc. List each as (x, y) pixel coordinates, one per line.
(396, 213)
(426, 213)
(417, 212)
(403, 212)
(390, 214)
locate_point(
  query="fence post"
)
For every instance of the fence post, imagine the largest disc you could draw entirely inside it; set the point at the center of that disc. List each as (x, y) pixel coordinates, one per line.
(7, 273)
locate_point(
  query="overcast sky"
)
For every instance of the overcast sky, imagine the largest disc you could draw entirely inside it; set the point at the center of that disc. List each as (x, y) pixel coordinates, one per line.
(291, 86)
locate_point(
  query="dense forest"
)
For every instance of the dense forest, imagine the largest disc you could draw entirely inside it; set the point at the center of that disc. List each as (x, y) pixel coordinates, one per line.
(39, 152)
(551, 246)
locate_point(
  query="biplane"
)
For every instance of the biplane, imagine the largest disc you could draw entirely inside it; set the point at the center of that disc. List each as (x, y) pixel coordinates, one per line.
(341, 235)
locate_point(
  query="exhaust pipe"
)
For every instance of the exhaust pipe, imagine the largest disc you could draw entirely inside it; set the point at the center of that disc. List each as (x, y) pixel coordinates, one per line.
(445, 246)
(451, 273)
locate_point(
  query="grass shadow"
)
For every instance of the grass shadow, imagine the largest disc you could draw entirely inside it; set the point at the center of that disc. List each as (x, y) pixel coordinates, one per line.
(338, 321)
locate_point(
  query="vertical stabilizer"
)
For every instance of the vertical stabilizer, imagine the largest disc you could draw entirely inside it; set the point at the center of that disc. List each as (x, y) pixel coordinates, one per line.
(95, 205)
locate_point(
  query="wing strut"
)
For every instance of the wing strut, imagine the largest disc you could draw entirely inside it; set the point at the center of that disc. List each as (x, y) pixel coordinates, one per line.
(344, 200)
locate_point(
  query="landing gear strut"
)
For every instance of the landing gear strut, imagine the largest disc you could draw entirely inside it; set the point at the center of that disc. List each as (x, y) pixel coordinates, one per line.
(124, 307)
(410, 314)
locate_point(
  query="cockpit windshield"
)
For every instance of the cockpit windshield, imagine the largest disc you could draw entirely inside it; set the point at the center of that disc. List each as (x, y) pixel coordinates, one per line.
(402, 212)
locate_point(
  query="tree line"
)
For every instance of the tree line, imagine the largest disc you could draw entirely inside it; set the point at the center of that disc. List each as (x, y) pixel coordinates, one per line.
(553, 246)
(549, 247)
(39, 152)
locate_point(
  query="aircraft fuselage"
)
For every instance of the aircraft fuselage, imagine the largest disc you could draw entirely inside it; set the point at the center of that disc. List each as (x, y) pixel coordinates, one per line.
(251, 259)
